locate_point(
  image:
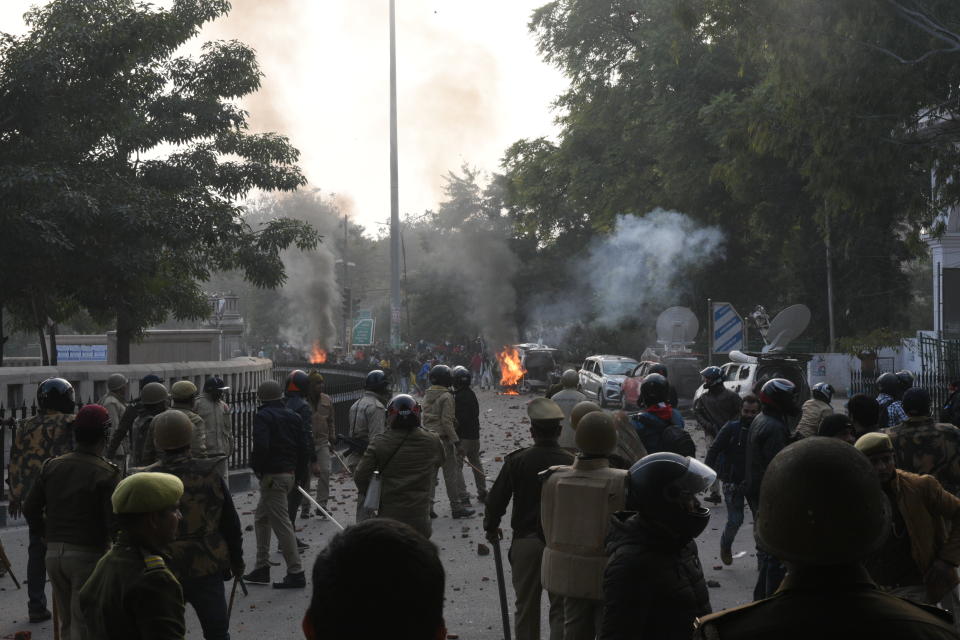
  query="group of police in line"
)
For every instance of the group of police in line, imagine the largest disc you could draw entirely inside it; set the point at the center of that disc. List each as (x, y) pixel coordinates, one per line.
(606, 528)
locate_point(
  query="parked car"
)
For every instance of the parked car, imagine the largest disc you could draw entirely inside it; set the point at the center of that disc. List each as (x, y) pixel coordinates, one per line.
(683, 373)
(747, 372)
(601, 377)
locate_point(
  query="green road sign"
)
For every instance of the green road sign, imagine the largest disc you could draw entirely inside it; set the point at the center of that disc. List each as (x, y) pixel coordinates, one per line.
(363, 332)
(364, 314)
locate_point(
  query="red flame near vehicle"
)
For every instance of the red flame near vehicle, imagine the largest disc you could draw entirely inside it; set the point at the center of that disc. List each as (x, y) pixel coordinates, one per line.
(511, 371)
(317, 355)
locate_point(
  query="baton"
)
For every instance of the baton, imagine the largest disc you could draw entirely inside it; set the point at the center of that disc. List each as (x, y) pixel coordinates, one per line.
(233, 594)
(317, 505)
(243, 586)
(342, 461)
(56, 618)
(477, 469)
(503, 589)
(6, 563)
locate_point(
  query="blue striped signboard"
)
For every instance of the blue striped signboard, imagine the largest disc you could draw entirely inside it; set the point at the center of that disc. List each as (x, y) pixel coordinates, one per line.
(727, 328)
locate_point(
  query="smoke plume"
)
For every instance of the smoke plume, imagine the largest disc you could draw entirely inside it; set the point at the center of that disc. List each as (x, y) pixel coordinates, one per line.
(633, 273)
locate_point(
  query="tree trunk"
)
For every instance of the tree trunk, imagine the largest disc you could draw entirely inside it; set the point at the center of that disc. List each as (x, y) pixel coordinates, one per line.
(44, 355)
(3, 338)
(124, 333)
(52, 328)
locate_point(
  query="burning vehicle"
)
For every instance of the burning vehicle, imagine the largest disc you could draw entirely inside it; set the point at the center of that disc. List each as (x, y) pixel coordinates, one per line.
(527, 367)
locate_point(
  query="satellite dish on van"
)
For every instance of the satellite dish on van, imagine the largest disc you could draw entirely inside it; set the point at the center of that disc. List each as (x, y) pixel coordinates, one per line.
(786, 327)
(677, 327)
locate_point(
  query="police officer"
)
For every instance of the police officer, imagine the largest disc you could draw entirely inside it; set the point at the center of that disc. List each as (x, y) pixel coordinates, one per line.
(367, 415)
(467, 413)
(519, 481)
(209, 541)
(407, 458)
(279, 447)
(568, 397)
(45, 435)
(69, 506)
(653, 585)
(132, 594)
(823, 528)
(295, 393)
(322, 422)
(154, 400)
(119, 444)
(115, 402)
(923, 445)
(576, 504)
(715, 407)
(439, 416)
(183, 396)
(815, 410)
(216, 421)
(768, 434)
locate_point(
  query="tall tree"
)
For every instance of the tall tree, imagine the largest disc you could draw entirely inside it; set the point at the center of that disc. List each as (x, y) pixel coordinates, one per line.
(122, 163)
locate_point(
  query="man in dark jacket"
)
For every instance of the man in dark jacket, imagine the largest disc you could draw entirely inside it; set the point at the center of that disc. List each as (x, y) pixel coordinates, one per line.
(467, 414)
(297, 387)
(660, 427)
(714, 407)
(279, 447)
(653, 586)
(727, 455)
(519, 480)
(768, 435)
(951, 408)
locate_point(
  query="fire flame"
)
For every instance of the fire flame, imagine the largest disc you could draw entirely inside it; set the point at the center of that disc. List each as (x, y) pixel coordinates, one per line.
(510, 368)
(317, 355)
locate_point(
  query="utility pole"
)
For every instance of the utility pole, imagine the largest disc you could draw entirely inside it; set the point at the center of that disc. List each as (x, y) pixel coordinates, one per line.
(394, 190)
(346, 294)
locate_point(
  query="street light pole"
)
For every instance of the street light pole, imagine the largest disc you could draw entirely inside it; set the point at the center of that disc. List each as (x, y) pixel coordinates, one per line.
(394, 190)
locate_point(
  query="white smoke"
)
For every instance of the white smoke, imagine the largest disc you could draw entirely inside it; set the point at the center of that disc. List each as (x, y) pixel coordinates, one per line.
(644, 259)
(634, 273)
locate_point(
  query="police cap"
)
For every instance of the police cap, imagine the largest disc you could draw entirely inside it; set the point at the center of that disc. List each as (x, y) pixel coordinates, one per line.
(147, 492)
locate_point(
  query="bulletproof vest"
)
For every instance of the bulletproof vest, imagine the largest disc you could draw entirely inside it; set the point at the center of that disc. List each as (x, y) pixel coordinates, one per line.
(575, 509)
(199, 549)
(141, 431)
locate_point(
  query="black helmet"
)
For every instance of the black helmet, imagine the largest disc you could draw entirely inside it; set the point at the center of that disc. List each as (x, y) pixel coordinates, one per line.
(889, 384)
(916, 402)
(376, 381)
(461, 377)
(712, 376)
(298, 382)
(658, 486)
(214, 383)
(659, 367)
(56, 394)
(905, 378)
(440, 375)
(837, 515)
(822, 391)
(147, 379)
(404, 411)
(779, 394)
(654, 389)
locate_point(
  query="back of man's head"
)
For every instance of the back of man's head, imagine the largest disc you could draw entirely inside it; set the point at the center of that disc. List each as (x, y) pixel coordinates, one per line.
(864, 410)
(378, 561)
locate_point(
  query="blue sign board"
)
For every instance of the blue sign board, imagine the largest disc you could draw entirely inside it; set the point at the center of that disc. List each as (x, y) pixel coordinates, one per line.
(81, 353)
(727, 328)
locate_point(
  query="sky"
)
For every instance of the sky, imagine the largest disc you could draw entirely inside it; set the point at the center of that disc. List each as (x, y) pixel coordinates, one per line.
(470, 82)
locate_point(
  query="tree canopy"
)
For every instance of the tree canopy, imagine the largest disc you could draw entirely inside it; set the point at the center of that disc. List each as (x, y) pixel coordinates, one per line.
(122, 163)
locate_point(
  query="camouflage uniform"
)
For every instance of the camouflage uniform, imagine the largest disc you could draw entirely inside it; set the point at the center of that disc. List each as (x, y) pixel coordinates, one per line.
(926, 447)
(142, 450)
(132, 595)
(198, 443)
(36, 440)
(209, 541)
(217, 425)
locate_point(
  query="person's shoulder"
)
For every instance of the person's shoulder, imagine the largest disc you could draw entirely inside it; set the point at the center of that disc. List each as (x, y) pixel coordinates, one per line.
(154, 575)
(712, 625)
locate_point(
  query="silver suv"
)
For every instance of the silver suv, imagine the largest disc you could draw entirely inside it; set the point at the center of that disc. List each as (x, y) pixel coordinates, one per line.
(602, 377)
